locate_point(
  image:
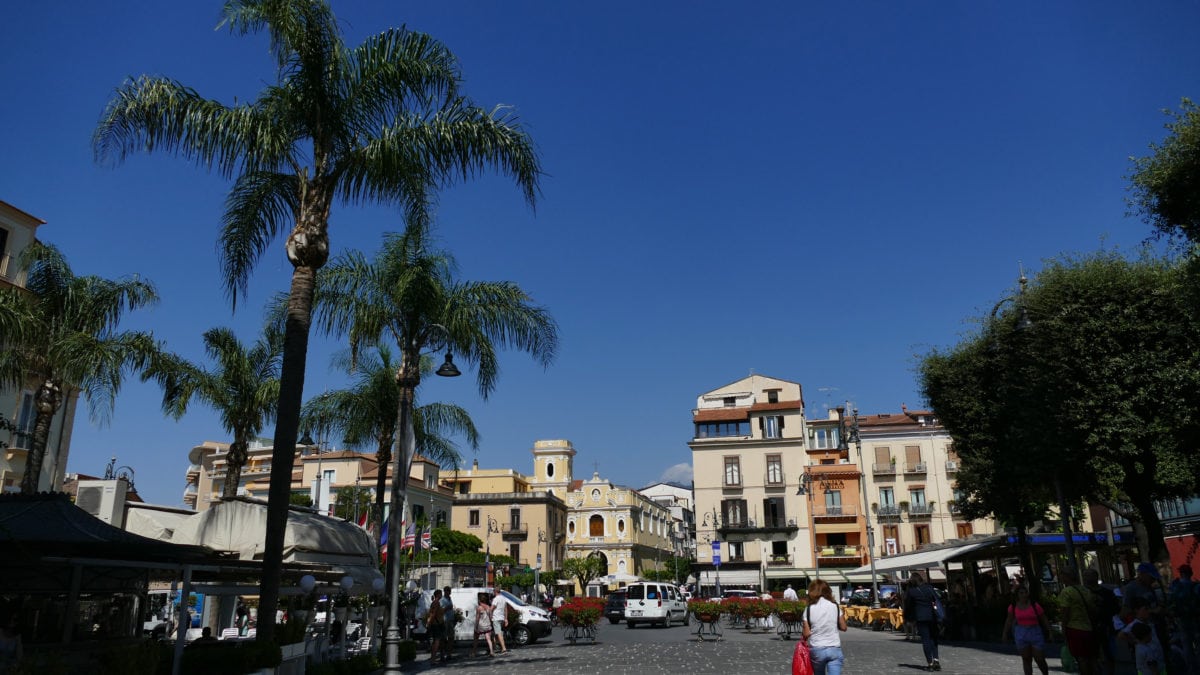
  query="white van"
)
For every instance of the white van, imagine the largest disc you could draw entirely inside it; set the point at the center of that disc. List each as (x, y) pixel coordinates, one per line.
(654, 603)
(534, 622)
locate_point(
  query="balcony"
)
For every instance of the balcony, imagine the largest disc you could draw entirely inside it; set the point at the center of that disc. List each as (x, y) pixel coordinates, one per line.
(255, 469)
(779, 561)
(840, 555)
(953, 508)
(888, 469)
(751, 526)
(951, 466)
(920, 510)
(833, 513)
(917, 468)
(888, 512)
(193, 469)
(514, 530)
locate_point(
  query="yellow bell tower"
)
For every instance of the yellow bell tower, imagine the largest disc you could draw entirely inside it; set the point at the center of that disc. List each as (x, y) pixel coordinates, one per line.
(553, 466)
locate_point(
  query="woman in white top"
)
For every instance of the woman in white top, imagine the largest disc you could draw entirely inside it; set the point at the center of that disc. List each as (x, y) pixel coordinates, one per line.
(823, 619)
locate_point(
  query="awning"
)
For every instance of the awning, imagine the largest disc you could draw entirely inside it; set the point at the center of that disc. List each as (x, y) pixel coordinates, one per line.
(730, 578)
(923, 559)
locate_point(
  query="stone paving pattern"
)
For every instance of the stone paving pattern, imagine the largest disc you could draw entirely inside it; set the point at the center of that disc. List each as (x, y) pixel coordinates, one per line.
(676, 650)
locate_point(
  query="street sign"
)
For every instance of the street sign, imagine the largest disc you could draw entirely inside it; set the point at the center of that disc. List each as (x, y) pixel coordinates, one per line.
(717, 559)
(539, 561)
(716, 547)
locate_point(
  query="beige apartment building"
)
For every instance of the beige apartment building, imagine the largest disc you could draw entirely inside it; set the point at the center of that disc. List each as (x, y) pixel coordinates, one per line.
(910, 478)
(512, 514)
(787, 498)
(18, 231)
(317, 473)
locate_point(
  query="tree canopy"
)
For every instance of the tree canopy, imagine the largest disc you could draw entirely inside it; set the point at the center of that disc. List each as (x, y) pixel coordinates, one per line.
(1166, 183)
(1100, 390)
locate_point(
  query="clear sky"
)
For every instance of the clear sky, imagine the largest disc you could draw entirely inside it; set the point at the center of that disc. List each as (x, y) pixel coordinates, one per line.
(820, 192)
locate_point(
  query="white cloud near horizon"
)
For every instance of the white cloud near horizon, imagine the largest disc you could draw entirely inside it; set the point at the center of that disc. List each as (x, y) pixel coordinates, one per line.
(678, 473)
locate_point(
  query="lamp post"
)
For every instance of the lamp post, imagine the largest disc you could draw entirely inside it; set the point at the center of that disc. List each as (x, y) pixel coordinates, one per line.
(492, 526)
(537, 571)
(408, 377)
(862, 489)
(806, 488)
(716, 525)
(1024, 323)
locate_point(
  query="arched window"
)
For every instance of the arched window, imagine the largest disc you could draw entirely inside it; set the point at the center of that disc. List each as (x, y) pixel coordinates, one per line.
(571, 528)
(549, 469)
(596, 526)
(621, 526)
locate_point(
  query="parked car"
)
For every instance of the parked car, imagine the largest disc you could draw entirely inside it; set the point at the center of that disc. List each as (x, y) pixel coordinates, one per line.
(614, 607)
(654, 603)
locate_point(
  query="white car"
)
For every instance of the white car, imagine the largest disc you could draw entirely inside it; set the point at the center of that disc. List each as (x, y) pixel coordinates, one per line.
(534, 622)
(654, 603)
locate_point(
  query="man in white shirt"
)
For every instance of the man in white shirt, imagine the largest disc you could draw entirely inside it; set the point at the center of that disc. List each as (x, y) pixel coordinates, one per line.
(790, 594)
(500, 620)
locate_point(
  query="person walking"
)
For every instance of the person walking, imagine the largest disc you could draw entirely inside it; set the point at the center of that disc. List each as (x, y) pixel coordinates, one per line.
(243, 618)
(1108, 607)
(435, 626)
(920, 607)
(449, 620)
(822, 620)
(483, 624)
(1147, 585)
(789, 593)
(500, 620)
(1027, 624)
(1079, 612)
(11, 648)
(1183, 600)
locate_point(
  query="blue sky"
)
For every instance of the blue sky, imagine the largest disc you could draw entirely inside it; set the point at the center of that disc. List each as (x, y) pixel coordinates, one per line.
(820, 192)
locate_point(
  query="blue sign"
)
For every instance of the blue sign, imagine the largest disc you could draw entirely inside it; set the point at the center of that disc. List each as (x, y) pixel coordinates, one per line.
(717, 559)
(716, 546)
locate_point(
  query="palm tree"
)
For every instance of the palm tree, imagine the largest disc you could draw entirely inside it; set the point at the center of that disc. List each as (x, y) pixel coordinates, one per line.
(66, 340)
(365, 414)
(243, 388)
(383, 122)
(408, 295)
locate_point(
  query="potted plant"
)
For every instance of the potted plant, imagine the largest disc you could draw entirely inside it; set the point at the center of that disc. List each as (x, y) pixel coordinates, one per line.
(706, 611)
(874, 507)
(581, 611)
(903, 506)
(789, 611)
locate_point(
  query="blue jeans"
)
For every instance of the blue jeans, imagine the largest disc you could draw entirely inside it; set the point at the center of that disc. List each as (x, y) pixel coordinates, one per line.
(827, 660)
(928, 631)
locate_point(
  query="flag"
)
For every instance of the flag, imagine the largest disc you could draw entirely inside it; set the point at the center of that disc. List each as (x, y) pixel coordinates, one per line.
(410, 537)
(383, 539)
(426, 540)
(362, 520)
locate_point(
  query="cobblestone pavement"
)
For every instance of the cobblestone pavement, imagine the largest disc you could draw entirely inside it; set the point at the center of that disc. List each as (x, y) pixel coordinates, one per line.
(677, 650)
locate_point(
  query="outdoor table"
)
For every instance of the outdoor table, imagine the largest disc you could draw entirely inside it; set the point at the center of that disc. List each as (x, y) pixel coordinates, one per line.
(857, 613)
(887, 616)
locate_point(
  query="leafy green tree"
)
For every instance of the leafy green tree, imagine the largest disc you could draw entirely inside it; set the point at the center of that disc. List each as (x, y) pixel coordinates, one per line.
(1101, 391)
(352, 502)
(408, 293)
(300, 499)
(584, 569)
(65, 338)
(365, 415)
(1166, 183)
(243, 387)
(453, 542)
(382, 122)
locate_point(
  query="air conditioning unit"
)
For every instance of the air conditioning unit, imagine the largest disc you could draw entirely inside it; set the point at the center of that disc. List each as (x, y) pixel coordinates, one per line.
(104, 499)
(951, 465)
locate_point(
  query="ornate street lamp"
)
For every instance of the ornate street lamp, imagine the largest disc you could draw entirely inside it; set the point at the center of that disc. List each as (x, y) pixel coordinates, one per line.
(862, 489)
(806, 488)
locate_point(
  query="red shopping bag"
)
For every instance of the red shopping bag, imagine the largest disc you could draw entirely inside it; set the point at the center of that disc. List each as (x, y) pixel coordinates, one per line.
(802, 659)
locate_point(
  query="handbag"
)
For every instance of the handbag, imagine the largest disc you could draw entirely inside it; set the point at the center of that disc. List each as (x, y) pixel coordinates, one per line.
(802, 659)
(939, 612)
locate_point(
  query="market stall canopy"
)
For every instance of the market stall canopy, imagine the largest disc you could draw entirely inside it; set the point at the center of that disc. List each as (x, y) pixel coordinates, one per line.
(238, 525)
(925, 558)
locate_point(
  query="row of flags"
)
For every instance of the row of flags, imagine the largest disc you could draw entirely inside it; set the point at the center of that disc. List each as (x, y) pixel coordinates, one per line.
(408, 542)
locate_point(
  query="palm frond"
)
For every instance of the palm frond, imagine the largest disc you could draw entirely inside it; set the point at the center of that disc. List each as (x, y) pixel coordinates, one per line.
(258, 208)
(393, 71)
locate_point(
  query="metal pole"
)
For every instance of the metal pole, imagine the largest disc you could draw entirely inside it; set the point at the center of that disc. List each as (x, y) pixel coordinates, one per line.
(391, 640)
(1065, 514)
(862, 479)
(429, 551)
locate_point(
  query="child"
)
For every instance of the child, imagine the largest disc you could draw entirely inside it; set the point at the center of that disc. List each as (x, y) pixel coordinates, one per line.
(1148, 653)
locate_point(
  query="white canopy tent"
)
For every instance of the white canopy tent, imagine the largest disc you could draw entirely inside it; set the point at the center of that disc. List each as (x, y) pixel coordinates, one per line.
(930, 558)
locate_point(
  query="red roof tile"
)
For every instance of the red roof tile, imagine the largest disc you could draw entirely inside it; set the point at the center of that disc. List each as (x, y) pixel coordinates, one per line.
(721, 415)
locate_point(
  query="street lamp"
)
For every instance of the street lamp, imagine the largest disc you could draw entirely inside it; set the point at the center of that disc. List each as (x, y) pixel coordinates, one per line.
(862, 489)
(806, 488)
(492, 526)
(537, 571)
(408, 377)
(717, 549)
(1024, 323)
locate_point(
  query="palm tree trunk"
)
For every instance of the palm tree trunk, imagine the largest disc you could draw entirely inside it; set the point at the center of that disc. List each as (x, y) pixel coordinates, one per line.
(48, 399)
(291, 395)
(235, 459)
(383, 456)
